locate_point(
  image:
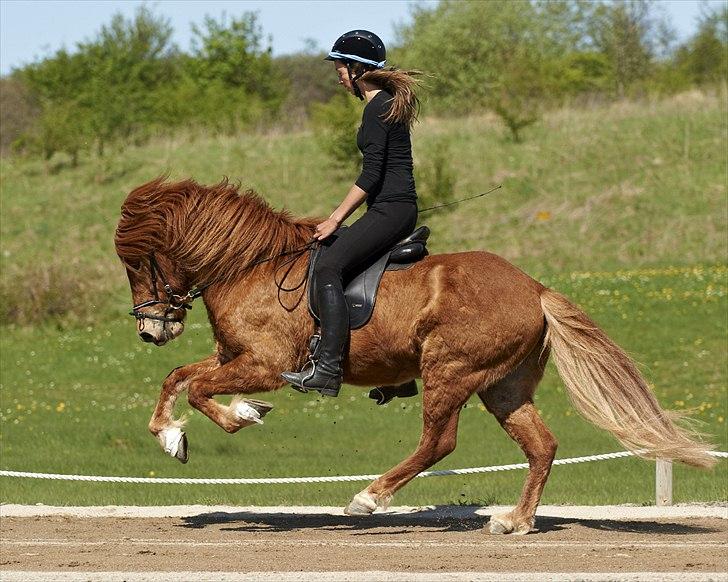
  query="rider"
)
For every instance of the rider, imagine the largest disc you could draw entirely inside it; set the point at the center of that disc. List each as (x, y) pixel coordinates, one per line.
(386, 183)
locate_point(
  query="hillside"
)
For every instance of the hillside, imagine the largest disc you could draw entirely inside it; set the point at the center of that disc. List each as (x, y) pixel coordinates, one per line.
(616, 186)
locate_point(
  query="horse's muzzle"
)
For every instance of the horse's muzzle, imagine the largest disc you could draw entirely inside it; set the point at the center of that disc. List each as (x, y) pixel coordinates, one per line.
(159, 332)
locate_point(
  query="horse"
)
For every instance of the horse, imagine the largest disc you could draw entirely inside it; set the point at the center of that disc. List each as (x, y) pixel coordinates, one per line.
(465, 323)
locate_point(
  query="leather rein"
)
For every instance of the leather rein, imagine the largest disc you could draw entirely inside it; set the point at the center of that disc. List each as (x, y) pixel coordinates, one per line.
(176, 302)
(179, 303)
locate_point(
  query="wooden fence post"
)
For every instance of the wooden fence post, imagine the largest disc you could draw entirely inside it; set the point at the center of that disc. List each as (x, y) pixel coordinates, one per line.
(663, 482)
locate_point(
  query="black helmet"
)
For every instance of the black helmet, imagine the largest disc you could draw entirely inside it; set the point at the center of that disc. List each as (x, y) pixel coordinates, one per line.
(361, 46)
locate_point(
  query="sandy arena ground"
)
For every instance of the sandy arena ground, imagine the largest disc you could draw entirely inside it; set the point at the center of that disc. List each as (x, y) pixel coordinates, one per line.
(322, 544)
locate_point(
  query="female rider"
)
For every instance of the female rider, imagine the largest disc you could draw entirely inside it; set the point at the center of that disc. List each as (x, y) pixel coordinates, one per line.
(386, 183)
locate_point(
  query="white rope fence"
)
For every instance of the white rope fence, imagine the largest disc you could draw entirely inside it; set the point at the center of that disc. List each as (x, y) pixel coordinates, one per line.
(331, 479)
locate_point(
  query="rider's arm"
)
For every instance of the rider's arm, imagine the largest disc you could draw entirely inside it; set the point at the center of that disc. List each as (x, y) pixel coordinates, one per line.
(372, 141)
(352, 201)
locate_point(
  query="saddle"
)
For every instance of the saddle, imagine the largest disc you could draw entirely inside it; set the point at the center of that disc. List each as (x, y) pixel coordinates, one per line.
(360, 289)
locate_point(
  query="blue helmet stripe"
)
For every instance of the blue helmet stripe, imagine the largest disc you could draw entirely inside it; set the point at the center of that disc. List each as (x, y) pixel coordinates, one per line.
(337, 55)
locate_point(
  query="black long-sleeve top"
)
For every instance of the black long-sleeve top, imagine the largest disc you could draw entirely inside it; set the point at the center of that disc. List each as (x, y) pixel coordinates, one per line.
(386, 173)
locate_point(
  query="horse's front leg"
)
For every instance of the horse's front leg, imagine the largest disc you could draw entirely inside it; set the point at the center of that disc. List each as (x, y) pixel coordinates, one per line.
(162, 425)
(245, 374)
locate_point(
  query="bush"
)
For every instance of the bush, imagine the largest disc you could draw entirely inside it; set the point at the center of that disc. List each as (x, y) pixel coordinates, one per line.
(18, 111)
(45, 292)
(335, 124)
(434, 175)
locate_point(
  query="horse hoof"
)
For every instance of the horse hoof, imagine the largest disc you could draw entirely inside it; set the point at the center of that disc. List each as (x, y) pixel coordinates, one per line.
(174, 443)
(497, 526)
(503, 524)
(182, 455)
(362, 504)
(261, 406)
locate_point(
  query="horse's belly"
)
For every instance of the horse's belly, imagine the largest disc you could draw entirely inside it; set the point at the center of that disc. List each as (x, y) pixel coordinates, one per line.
(361, 373)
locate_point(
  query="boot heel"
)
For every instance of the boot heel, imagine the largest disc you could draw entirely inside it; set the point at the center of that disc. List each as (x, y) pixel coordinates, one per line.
(333, 392)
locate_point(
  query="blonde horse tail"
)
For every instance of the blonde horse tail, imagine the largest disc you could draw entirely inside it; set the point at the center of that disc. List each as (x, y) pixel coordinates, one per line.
(606, 388)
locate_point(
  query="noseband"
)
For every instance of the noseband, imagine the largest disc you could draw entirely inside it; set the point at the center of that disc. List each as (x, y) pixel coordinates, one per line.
(174, 301)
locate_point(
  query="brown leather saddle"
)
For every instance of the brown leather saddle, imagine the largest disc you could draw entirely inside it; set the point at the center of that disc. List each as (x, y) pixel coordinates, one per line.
(360, 288)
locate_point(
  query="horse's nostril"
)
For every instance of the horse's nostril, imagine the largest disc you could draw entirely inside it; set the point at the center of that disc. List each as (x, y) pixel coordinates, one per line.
(146, 337)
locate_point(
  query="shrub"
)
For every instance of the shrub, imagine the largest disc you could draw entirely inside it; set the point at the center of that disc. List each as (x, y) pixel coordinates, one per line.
(45, 292)
(336, 125)
(434, 175)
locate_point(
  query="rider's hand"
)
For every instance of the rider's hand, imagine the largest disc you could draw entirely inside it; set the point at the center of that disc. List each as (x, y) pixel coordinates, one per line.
(324, 229)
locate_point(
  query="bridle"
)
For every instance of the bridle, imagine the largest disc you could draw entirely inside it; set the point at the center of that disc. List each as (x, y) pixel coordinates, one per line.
(174, 301)
(179, 303)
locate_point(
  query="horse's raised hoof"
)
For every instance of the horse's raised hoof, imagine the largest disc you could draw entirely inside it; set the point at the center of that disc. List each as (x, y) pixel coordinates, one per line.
(174, 442)
(248, 411)
(364, 503)
(261, 406)
(182, 452)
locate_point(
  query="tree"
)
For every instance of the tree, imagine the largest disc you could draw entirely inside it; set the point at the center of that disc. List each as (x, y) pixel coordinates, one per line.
(108, 84)
(308, 79)
(57, 85)
(233, 53)
(501, 55)
(704, 58)
(125, 64)
(627, 33)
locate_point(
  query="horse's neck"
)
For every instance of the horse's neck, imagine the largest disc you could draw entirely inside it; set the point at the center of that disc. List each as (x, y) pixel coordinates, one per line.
(234, 261)
(237, 307)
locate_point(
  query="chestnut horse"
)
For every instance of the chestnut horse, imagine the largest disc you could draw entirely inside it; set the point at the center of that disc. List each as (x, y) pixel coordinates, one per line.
(465, 323)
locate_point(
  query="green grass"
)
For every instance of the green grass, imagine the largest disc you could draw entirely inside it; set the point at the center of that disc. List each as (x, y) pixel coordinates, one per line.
(78, 401)
(621, 207)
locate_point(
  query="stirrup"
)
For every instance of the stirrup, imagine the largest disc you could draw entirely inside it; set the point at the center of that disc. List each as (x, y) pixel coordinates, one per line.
(313, 344)
(312, 363)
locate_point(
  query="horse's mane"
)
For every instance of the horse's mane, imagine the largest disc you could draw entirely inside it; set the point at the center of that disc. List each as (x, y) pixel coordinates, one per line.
(212, 231)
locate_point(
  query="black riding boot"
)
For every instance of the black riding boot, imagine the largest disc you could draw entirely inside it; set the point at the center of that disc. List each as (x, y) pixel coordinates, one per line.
(324, 370)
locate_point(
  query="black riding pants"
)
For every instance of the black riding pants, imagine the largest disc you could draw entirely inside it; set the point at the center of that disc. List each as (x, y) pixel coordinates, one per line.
(378, 229)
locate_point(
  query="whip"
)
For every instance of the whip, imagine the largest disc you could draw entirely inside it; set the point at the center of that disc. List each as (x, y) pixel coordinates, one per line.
(458, 201)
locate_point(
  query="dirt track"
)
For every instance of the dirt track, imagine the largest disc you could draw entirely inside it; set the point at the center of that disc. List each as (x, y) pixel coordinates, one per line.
(264, 542)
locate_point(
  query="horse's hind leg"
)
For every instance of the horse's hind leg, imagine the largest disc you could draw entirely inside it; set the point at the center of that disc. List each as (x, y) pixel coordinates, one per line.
(442, 401)
(525, 426)
(510, 401)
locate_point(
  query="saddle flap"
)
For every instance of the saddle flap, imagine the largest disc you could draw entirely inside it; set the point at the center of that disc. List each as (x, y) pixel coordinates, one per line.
(361, 290)
(361, 293)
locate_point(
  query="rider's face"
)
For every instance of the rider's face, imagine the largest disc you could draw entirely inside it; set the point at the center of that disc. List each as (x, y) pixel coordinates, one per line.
(343, 74)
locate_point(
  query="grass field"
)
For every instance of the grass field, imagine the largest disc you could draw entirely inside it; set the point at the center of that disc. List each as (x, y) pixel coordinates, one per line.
(622, 208)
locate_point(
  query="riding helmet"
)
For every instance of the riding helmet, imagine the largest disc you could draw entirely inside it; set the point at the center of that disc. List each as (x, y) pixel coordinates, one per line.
(359, 45)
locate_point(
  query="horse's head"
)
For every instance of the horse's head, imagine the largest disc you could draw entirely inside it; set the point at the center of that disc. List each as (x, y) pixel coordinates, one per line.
(143, 239)
(159, 303)
(175, 238)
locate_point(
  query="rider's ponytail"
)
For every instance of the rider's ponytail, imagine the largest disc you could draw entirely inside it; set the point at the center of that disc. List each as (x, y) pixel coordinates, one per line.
(401, 84)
